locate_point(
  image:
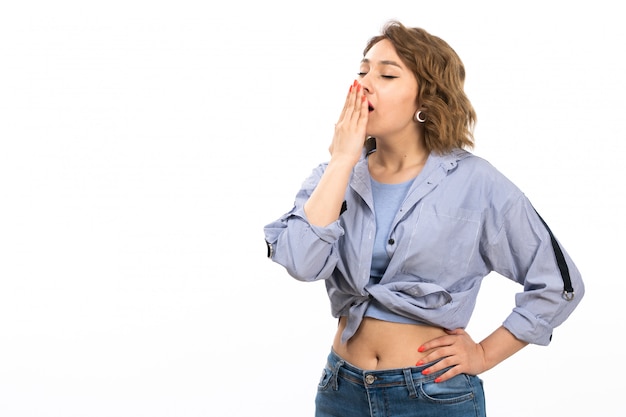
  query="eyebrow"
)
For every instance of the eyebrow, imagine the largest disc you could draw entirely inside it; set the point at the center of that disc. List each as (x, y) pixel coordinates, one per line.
(383, 62)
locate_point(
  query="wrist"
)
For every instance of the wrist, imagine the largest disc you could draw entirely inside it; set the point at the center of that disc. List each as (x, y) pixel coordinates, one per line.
(346, 162)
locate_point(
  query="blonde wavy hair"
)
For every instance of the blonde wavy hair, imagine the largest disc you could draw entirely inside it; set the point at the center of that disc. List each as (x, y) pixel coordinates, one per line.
(440, 74)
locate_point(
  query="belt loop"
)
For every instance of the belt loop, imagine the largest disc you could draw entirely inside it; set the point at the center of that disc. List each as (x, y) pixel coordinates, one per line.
(334, 383)
(408, 378)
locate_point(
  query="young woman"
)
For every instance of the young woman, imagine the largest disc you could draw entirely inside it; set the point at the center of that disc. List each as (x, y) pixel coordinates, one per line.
(403, 223)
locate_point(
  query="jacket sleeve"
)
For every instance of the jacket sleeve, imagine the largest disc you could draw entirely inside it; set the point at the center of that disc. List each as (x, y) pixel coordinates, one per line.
(307, 252)
(522, 248)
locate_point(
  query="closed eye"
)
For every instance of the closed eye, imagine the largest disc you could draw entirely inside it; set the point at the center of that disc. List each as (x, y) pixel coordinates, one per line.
(389, 77)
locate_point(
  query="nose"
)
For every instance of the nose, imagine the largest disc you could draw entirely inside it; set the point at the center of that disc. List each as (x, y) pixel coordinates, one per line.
(365, 84)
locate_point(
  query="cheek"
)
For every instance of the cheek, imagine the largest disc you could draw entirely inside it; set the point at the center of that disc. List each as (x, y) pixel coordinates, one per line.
(406, 106)
(410, 101)
(399, 103)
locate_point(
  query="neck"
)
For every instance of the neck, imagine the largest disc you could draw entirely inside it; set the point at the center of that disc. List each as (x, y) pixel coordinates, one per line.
(398, 161)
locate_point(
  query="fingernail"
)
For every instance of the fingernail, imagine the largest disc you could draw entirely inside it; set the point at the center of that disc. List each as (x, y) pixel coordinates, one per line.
(437, 379)
(421, 349)
(425, 371)
(419, 363)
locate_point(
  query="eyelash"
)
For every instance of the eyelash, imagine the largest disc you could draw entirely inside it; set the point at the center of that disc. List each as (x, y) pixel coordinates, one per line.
(388, 77)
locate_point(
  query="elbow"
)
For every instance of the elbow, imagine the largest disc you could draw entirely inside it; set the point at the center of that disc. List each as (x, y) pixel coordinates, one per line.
(577, 295)
(302, 275)
(310, 269)
(577, 287)
(303, 254)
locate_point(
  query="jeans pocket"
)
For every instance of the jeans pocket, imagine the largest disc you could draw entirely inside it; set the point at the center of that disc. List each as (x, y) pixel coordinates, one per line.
(324, 382)
(452, 391)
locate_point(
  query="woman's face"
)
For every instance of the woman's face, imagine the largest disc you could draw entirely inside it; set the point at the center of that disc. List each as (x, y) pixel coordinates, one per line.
(391, 90)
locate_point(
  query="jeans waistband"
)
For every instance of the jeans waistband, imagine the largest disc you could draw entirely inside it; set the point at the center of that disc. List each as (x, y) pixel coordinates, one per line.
(409, 376)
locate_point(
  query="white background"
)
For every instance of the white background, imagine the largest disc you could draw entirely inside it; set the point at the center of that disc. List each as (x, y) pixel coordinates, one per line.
(144, 145)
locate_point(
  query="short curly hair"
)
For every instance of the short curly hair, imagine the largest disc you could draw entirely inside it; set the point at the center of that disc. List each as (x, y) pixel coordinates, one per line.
(440, 74)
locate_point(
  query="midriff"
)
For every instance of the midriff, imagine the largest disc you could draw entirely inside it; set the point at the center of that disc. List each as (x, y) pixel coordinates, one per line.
(381, 344)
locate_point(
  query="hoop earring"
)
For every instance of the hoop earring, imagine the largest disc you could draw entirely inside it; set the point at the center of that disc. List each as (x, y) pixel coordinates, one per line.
(420, 117)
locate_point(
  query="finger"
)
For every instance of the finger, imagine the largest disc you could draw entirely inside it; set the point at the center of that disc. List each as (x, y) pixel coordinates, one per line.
(449, 374)
(437, 356)
(442, 340)
(349, 103)
(357, 99)
(360, 103)
(450, 362)
(364, 112)
(436, 343)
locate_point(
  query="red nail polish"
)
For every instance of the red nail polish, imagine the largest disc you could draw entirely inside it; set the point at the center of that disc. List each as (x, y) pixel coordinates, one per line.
(437, 380)
(421, 349)
(419, 363)
(425, 371)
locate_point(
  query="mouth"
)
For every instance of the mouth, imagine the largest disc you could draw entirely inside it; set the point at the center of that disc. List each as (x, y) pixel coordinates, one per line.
(370, 107)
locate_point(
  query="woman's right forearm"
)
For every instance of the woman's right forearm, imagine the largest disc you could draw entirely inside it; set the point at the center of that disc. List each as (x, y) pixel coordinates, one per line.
(324, 205)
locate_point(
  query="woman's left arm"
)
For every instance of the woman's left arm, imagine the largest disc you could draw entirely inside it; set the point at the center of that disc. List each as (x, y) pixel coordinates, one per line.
(458, 351)
(521, 247)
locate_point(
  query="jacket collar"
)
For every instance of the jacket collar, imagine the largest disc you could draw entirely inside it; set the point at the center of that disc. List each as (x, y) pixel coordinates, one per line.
(437, 167)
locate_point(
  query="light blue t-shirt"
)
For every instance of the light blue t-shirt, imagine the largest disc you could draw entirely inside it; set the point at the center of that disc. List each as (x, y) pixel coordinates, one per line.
(387, 201)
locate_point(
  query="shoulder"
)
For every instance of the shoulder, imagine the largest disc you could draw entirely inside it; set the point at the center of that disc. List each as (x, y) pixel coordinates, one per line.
(470, 161)
(478, 168)
(478, 180)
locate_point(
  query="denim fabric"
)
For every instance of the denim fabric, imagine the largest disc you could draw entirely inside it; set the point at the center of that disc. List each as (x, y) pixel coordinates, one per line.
(347, 391)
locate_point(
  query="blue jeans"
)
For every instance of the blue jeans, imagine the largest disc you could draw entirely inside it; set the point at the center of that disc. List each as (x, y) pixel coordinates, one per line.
(347, 391)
